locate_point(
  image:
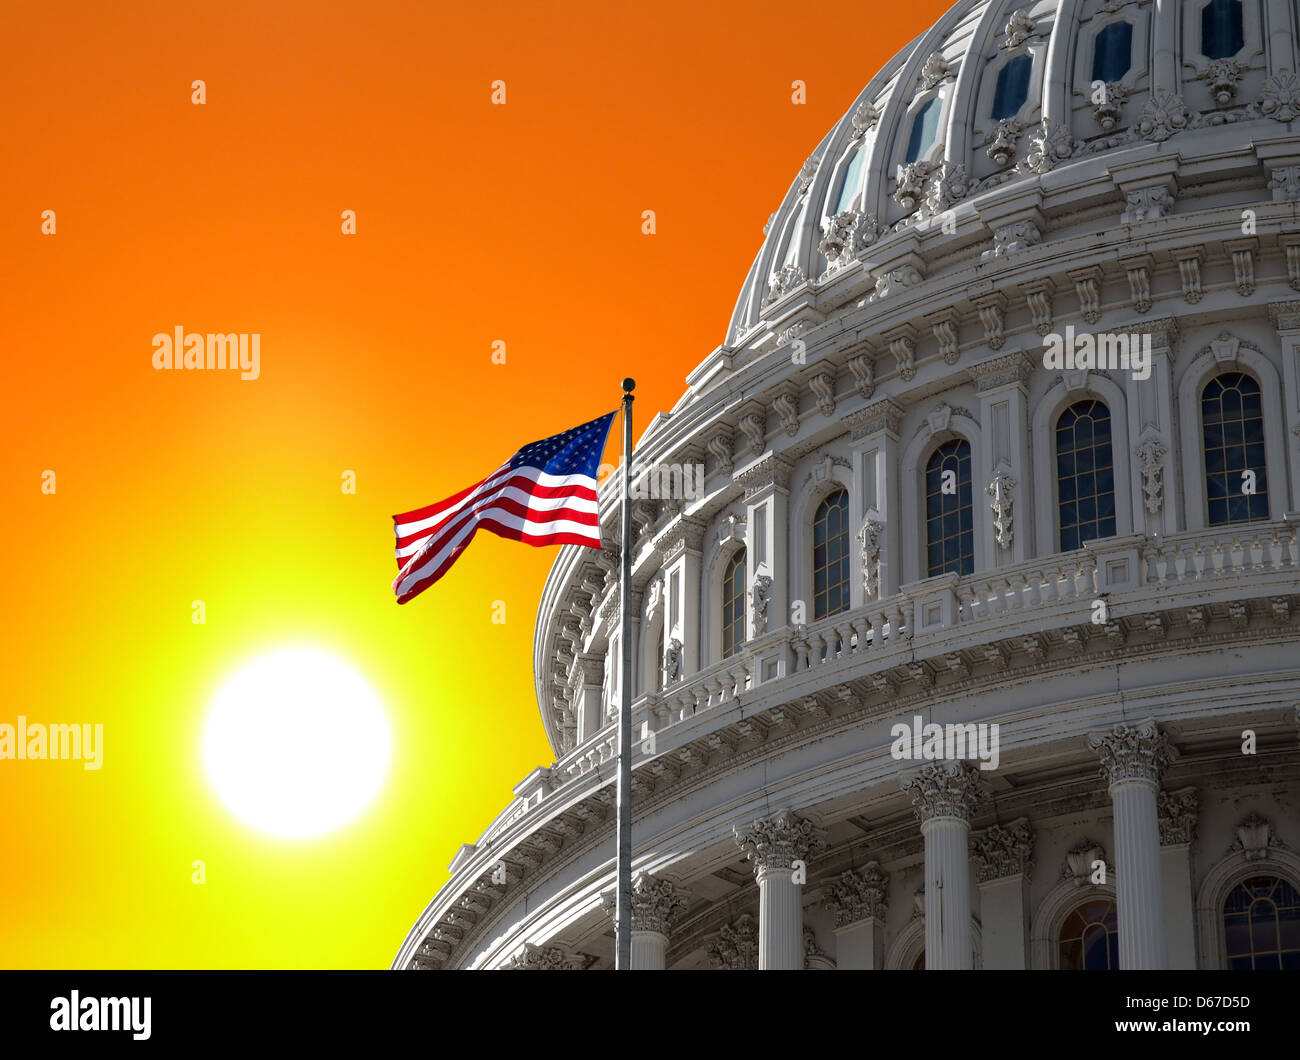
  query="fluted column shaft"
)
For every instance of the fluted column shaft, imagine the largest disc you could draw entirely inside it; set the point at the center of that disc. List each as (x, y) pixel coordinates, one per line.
(944, 796)
(1133, 759)
(649, 951)
(778, 846)
(780, 920)
(947, 893)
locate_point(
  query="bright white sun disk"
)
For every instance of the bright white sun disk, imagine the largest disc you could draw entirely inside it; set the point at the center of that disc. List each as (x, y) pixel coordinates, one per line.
(296, 743)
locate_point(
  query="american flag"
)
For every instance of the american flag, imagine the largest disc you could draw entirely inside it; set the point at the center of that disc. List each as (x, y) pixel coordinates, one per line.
(543, 495)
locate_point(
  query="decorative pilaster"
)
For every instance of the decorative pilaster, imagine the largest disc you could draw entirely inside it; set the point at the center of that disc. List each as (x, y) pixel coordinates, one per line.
(735, 947)
(654, 901)
(1003, 387)
(944, 796)
(767, 495)
(774, 845)
(859, 903)
(874, 505)
(1133, 758)
(1178, 811)
(1004, 858)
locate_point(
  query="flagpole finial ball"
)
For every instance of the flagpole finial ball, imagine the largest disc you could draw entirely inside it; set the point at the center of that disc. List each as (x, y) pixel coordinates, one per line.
(629, 385)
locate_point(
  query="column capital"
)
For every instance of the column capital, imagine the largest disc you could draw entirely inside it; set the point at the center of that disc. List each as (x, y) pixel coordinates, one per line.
(551, 958)
(654, 903)
(770, 473)
(1132, 752)
(859, 894)
(944, 789)
(1000, 851)
(778, 841)
(1178, 811)
(736, 945)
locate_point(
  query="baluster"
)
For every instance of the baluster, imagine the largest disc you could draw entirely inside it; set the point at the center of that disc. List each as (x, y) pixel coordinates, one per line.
(1274, 551)
(1035, 589)
(1291, 549)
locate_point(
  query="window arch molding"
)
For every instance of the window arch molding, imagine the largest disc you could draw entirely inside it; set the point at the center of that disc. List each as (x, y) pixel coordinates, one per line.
(912, 490)
(1049, 917)
(1204, 368)
(910, 943)
(803, 510)
(724, 546)
(1251, 51)
(1218, 884)
(1042, 444)
(1086, 46)
(648, 662)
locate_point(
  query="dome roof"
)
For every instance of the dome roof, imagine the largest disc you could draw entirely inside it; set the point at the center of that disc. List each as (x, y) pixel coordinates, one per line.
(1004, 92)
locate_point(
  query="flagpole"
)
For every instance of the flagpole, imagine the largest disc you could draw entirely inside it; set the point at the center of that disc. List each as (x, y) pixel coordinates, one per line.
(623, 833)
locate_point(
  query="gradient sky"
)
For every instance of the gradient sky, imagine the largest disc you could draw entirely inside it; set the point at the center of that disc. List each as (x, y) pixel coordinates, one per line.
(475, 223)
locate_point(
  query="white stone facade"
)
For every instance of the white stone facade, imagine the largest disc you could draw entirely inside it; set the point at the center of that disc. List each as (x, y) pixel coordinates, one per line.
(773, 827)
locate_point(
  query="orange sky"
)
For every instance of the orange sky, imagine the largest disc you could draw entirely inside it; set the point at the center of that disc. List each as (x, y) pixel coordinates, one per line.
(475, 223)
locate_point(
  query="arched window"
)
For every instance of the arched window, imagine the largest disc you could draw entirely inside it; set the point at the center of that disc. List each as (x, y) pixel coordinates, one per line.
(1089, 938)
(949, 520)
(852, 175)
(733, 604)
(831, 556)
(1012, 87)
(1112, 52)
(1261, 925)
(1085, 474)
(1232, 426)
(1222, 34)
(925, 129)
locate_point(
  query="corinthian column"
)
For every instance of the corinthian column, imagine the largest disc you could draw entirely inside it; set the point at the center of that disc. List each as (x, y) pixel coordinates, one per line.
(779, 847)
(654, 902)
(944, 795)
(1133, 759)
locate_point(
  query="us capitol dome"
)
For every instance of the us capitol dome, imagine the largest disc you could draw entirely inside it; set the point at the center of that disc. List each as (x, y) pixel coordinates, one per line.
(975, 644)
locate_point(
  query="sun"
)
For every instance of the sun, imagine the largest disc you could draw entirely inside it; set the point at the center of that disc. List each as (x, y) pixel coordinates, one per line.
(296, 743)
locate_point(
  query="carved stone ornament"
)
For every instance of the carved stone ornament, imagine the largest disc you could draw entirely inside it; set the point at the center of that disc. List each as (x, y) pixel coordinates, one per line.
(551, 958)
(869, 538)
(807, 172)
(1000, 491)
(1149, 454)
(1003, 851)
(1222, 75)
(1012, 238)
(865, 117)
(1178, 811)
(909, 183)
(1108, 105)
(1255, 836)
(1020, 27)
(844, 235)
(944, 789)
(1163, 114)
(1132, 752)
(654, 902)
(1079, 862)
(935, 70)
(895, 280)
(777, 842)
(673, 661)
(782, 282)
(1050, 144)
(1002, 141)
(1147, 204)
(760, 600)
(1280, 98)
(859, 894)
(736, 945)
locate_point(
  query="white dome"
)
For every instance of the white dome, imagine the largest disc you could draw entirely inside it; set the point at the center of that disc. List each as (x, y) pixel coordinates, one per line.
(858, 196)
